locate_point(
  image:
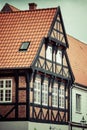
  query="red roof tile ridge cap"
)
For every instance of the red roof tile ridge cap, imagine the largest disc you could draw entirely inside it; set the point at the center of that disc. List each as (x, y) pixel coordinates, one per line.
(21, 11)
(81, 42)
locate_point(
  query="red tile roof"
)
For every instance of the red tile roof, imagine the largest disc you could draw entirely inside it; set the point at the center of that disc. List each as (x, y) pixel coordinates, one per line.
(77, 53)
(22, 26)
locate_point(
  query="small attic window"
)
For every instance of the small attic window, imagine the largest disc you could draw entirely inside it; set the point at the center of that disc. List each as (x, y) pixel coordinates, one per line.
(24, 46)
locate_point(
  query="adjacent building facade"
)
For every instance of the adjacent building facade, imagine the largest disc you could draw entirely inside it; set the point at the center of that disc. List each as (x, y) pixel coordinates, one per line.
(36, 76)
(78, 58)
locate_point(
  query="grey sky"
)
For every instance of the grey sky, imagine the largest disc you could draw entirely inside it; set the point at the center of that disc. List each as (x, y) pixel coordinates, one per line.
(74, 13)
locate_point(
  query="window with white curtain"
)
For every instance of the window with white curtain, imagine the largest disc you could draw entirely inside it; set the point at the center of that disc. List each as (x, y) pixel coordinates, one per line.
(37, 92)
(59, 57)
(45, 94)
(61, 97)
(49, 53)
(55, 96)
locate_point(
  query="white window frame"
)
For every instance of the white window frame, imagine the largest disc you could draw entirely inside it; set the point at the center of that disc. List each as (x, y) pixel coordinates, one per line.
(61, 97)
(49, 53)
(44, 94)
(4, 90)
(59, 56)
(37, 89)
(78, 102)
(55, 96)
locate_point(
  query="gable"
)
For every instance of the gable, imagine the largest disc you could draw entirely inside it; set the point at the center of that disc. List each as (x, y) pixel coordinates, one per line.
(57, 31)
(52, 59)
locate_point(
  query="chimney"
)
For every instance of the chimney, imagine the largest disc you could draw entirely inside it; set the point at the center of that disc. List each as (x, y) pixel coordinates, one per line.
(32, 6)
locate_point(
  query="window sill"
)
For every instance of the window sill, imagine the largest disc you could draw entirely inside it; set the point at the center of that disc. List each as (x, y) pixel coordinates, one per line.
(78, 112)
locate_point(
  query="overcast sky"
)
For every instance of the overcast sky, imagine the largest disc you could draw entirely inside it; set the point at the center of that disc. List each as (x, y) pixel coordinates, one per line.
(74, 13)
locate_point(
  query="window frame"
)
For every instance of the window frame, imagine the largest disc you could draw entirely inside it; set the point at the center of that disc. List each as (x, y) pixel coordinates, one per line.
(78, 106)
(24, 48)
(58, 56)
(55, 95)
(4, 91)
(37, 90)
(61, 98)
(48, 53)
(45, 92)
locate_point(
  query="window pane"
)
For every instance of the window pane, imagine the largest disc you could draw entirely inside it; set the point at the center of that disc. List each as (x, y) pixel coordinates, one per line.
(78, 102)
(8, 95)
(55, 96)
(61, 97)
(1, 95)
(24, 46)
(37, 92)
(44, 94)
(1, 84)
(8, 83)
(59, 57)
(49, 53)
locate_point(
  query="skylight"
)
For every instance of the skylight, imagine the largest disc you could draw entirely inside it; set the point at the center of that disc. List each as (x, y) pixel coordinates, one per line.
(24, 46)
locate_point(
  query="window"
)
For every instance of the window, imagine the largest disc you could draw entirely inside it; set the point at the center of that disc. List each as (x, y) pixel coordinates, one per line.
(49, 53)
(37, 92)
(24, 46)
(55, 96)
(61, 97)
(45, 94)
(78, 103)
(5, 90)
(59, 57)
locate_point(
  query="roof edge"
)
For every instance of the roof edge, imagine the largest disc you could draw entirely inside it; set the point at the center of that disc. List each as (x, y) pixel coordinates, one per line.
(20, 11)
(77, 39)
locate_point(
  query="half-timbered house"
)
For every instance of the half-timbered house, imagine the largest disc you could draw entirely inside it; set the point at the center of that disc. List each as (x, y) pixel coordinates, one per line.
(35, 73)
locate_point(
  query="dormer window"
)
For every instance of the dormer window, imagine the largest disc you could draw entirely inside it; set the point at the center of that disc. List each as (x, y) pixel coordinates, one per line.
(59, 57)
(49, 53)
(24, 46)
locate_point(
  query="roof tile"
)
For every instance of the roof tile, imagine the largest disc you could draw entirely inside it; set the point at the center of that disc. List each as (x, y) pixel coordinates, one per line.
(77, 53)
(21, 26)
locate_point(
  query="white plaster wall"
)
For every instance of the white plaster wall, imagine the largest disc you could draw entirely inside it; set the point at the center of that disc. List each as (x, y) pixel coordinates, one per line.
(46, 126)
(23, 125)
(14, 125)
(76, 117)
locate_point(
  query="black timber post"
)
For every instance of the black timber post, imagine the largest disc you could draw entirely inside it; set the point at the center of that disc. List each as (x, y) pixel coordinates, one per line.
(28, 78)
(16, 94)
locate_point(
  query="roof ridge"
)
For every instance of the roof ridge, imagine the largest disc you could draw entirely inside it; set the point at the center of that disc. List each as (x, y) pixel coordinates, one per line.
(19, 11)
